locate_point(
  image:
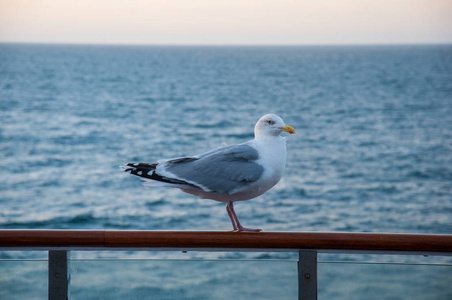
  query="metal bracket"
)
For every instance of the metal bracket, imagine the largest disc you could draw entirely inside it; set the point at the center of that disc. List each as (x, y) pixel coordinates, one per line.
(58, 274)
(307, 275)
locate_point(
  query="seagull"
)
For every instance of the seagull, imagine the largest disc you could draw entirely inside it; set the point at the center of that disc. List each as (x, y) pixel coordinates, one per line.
(228, 173)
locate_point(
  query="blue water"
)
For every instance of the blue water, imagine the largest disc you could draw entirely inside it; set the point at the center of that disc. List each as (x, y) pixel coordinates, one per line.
(372, 152)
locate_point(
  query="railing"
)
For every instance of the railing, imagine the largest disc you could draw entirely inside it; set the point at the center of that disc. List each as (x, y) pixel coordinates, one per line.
(307, 244)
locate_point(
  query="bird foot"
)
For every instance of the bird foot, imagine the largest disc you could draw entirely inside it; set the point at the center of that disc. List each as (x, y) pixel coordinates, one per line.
(244, 229)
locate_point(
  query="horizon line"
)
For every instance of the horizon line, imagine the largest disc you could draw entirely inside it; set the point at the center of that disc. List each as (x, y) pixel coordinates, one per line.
(226, 44)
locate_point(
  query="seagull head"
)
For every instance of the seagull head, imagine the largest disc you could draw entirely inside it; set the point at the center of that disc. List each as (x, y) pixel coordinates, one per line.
(271, 125)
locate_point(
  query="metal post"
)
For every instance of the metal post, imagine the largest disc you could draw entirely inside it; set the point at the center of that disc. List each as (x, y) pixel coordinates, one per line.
(307, 275)
(58, 275)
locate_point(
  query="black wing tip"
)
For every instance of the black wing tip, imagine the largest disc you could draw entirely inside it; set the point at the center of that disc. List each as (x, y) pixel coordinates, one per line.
(128, 167)
(145, 170)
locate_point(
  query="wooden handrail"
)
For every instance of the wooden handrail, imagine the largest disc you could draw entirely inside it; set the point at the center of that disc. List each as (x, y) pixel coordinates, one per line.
(225, 241)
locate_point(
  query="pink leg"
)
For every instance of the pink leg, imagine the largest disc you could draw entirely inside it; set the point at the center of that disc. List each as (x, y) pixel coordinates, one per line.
(236, 226)
(231, 216)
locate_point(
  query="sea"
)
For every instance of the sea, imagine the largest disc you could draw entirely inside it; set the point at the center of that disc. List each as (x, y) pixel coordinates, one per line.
(372, 153)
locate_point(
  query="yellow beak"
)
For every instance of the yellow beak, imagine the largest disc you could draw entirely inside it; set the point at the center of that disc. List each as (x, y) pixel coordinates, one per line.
(288, 129)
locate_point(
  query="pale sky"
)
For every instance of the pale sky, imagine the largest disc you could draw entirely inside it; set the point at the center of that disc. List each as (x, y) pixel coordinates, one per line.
(226, 22)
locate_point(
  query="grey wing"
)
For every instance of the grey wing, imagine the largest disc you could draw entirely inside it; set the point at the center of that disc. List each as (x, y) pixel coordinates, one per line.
(222, 170)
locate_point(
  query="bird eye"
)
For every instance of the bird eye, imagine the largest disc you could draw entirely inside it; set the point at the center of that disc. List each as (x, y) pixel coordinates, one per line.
(270, 122)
